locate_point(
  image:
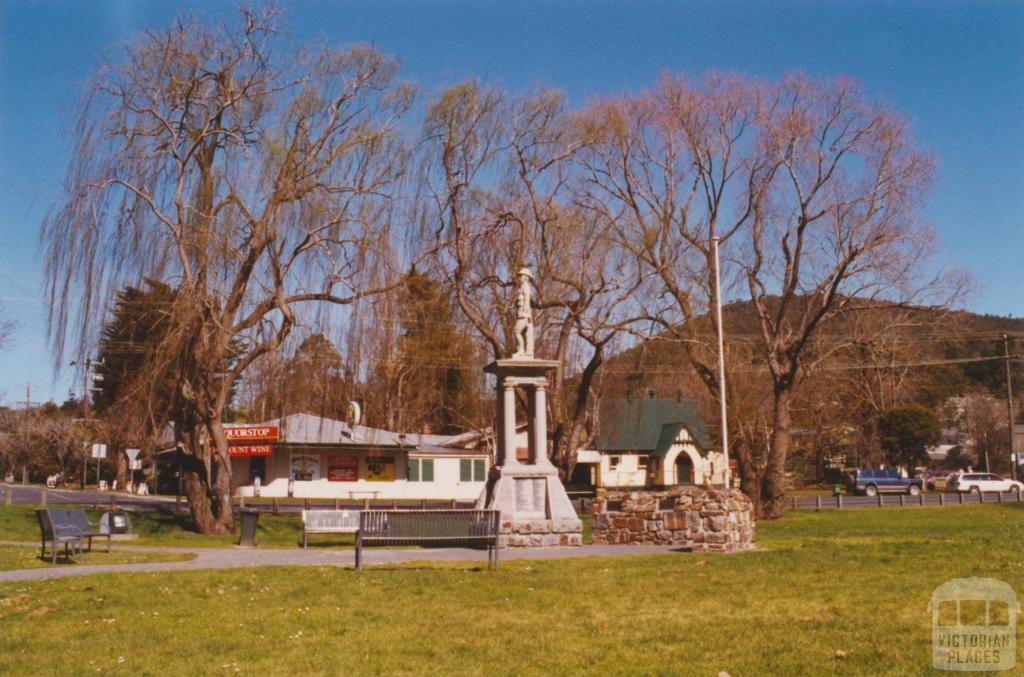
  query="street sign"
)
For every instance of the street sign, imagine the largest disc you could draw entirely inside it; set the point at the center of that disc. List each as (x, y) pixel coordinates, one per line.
(99, 451)
(132, 453)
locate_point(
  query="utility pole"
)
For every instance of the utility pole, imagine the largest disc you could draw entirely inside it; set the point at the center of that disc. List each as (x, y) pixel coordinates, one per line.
(28, 414)
(1009, 402)
(721, 364)
(87, 375)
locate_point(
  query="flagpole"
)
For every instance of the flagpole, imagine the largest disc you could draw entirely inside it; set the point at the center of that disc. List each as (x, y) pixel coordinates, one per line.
(721, 365)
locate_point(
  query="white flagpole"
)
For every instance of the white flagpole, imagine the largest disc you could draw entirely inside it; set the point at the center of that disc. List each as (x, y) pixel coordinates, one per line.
(721, 365)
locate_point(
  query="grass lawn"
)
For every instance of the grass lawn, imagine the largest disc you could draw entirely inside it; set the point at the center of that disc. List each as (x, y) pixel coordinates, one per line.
(855, 581)
(18, 523)
(15, 557)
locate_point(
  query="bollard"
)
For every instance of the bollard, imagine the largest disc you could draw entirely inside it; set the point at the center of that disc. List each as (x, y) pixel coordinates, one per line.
(42, 497)
(942, 499)
(273, 506)
(1018, 495)
(999, 494)
(960, 497)
(902, 501)
(920, 498)
(794, 503)
(881, 500)
(9, 495)
(817, 503)
(981, 497)
(839, 500)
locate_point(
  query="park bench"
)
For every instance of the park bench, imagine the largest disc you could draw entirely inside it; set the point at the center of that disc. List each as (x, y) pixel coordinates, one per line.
(57, 533)
(68, 526)
(429, 527)
(329, 522)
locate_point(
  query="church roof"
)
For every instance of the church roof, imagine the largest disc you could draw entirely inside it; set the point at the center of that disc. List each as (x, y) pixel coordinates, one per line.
(648, 425)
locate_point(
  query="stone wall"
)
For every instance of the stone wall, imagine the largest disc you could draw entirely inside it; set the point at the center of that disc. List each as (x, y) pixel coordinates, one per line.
(715, 520)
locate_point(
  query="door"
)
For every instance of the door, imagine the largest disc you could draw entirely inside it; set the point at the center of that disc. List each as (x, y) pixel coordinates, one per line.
(684, 469)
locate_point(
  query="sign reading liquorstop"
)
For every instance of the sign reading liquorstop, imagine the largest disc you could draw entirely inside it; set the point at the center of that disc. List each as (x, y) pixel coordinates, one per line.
(242, 434)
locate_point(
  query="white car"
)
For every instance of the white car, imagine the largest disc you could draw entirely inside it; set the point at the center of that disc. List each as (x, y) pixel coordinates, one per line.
(977, 482)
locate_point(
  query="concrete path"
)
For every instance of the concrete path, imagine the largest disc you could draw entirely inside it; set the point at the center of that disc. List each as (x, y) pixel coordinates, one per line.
(231, 558)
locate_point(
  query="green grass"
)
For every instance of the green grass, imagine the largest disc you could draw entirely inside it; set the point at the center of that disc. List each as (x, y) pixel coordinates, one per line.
(15, 557)
(855, 581)
(164, 528)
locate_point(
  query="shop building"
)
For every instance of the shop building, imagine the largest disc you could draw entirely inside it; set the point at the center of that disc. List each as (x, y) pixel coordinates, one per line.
(308, 456)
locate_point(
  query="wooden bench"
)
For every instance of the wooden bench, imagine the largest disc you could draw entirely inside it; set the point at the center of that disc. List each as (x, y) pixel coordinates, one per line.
(57, 533)
(429, 527)
(328, 522)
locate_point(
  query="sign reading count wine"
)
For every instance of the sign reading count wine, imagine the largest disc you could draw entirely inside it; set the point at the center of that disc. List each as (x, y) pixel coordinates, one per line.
(242, 437)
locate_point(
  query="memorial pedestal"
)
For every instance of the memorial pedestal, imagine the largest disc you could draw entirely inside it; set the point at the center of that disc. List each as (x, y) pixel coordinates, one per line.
(535, 510)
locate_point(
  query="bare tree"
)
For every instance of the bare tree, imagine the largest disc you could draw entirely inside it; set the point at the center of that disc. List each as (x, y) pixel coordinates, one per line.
(254, 178)
(496, 181)
(7, 327)
(814, 192)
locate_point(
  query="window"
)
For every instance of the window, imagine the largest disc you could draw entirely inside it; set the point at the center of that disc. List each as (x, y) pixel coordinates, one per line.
(613, 462)
(421, 470)
(472, 470)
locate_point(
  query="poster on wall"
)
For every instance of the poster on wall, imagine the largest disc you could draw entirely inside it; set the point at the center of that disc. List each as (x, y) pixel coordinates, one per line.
(305, 467)
(380, 468)
(342, 467)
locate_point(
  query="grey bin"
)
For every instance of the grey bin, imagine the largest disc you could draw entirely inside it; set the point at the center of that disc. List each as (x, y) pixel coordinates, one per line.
(250, 516)
(115, 523)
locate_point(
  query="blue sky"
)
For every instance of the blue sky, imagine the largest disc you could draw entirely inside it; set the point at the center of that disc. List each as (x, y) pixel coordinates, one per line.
(955, 68)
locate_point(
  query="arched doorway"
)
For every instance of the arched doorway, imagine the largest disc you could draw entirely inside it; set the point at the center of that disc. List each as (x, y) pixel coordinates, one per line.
(684, 469)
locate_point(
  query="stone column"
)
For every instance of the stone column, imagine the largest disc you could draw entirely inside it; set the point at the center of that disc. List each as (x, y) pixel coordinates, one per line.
(509, 423)
(540, 424)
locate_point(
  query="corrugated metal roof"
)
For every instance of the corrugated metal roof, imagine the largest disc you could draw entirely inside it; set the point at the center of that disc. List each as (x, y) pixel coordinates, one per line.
(648, 425)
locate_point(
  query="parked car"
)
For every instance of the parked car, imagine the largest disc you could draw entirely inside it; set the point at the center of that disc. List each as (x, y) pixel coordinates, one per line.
(871, 482)
(977, 482)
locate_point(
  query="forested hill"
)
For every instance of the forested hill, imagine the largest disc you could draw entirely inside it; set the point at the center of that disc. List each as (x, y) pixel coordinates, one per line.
(934, 345)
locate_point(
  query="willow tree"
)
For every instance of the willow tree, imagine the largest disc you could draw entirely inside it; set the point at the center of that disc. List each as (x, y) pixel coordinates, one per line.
(815, 193)
(253, 177)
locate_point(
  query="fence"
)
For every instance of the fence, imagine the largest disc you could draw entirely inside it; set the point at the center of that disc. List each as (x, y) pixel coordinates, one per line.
(901, 500)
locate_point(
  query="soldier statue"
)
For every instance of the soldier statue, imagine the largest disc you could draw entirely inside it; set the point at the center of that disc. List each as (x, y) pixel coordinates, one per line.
(524, 316)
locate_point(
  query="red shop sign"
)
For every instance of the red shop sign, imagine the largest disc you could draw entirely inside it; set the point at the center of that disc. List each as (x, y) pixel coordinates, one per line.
(251, 433)
(251, 450)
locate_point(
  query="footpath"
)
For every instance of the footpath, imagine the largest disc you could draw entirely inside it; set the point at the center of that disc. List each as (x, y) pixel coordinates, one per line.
(235, 557)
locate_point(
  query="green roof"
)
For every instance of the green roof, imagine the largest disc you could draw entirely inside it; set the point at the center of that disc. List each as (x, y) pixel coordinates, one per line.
(648, 425)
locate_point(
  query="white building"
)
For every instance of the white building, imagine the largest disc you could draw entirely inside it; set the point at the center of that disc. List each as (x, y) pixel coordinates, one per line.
(308, 456)
(650, 443)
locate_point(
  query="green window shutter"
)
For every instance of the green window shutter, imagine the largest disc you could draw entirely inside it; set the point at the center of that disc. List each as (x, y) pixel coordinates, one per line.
(414, 470)
(465, 470)
(428, 470)
(478, 470)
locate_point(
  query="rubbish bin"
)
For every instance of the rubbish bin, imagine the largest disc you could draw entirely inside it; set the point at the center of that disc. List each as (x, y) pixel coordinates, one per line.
(837, 489)
(250, 516)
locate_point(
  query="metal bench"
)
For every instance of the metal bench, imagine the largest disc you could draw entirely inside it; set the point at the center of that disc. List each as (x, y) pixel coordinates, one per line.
(328, 522)
(429, 527)
(74, 520)
(58, 533)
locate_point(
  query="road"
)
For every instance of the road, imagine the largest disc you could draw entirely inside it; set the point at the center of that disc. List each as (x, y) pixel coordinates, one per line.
(32, 495)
